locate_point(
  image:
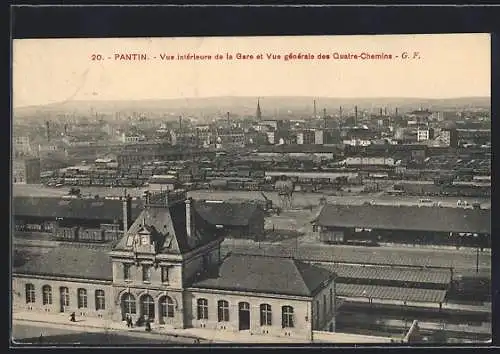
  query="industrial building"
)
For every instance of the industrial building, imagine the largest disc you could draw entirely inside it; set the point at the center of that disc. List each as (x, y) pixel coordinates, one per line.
(26, 170)
(404, 224)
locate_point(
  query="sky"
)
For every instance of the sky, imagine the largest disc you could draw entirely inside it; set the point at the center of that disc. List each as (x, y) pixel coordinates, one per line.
(59, 70)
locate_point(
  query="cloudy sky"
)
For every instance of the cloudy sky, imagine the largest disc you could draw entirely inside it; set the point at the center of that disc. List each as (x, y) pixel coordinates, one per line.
(57, 70)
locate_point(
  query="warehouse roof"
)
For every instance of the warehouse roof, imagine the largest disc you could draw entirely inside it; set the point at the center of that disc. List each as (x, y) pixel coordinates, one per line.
(276, 275)
(413, 218)
(226, 213)
(79, 208)
(72, 261)
(390, 293)
(389, 273)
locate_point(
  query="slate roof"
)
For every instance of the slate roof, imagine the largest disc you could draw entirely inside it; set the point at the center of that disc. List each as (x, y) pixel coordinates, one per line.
(276, 275)
(226, 213)
(168, 227)
(413, 218)
(71, 261)
(91, 209)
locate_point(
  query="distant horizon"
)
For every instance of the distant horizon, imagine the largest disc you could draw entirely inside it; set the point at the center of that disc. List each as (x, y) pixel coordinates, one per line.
(259, 97)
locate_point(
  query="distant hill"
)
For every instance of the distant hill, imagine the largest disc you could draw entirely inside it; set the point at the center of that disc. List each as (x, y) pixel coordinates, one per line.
(247, 105)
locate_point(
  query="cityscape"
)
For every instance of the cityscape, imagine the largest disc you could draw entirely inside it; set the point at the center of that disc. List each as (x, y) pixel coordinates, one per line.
(257, 219)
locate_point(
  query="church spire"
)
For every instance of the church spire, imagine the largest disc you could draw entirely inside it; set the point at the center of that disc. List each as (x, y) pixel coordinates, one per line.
(258, 113)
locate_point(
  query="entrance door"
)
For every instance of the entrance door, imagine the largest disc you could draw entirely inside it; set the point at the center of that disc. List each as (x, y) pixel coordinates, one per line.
(244, 316)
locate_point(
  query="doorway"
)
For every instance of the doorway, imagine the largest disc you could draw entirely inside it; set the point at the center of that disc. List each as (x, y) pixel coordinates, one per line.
(244, 316)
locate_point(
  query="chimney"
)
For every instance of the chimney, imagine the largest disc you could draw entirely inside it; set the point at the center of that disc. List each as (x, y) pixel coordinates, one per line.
(340, 112)
(180, 124)
(381, 112)
(314, 112)
(48, 130)
(188, 218)
(228, 120)
(396, 114)
(355, 115)
(127, 212)
(385, 111)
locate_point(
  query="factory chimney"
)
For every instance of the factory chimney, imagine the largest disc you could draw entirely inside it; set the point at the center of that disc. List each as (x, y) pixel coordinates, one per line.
(381, 112)
(314, 110)
(188, 219)
(228, 120)
(355, 115)
(396, 114)
(324, 118)
(385, 111)
(180, 124)
(127, 211)
(47, 124)
(340, 112)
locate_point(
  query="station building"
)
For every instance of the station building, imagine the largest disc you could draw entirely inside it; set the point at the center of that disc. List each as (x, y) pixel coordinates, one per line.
(168, 268)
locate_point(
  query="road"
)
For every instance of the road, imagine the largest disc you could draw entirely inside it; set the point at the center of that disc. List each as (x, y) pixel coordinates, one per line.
(299, 198)
(30, 333)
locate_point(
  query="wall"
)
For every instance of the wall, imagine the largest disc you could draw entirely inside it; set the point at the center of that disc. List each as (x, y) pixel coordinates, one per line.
(194, 265)
(324, 314)
(175, 274)
(301, 306)
(19, 297)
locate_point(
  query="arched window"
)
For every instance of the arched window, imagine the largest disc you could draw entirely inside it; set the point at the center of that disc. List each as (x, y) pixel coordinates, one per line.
(100, 300)
(64, 293)
(30, 293)
(265, 315)
(47, 295)
(147, 306)
(202, 309)
(287, 317)
(82, 298)
(167, 306)
(222, 311)
(128, 304)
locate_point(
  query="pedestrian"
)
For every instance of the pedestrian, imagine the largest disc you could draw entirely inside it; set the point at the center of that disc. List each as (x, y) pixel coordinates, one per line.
(72, 317)
(148, 326)
(40, 339)
(127, 319)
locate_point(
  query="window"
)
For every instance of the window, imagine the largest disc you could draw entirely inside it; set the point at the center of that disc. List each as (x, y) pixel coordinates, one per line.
(147, 307)
(202, 309)
(64, 293)
(82, 298)
(222, 311)
(167, 306)
(164, 274)
(146, 272)
(126, 271)
(30, 293)
(47, 295)
(265, 315)
(287, 316)
(128, 304)
(331, 299)
(100, 300)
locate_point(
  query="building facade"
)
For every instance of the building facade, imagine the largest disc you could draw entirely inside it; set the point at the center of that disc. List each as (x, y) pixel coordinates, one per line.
(26, 171)
(168, 270)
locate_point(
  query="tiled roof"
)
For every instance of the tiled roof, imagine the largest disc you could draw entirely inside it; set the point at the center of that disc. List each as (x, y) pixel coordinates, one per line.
(406, 218)
(263, 274)
(389, 273)
(390, 293)
(71, 261)
(92, 209)
(226, 213)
